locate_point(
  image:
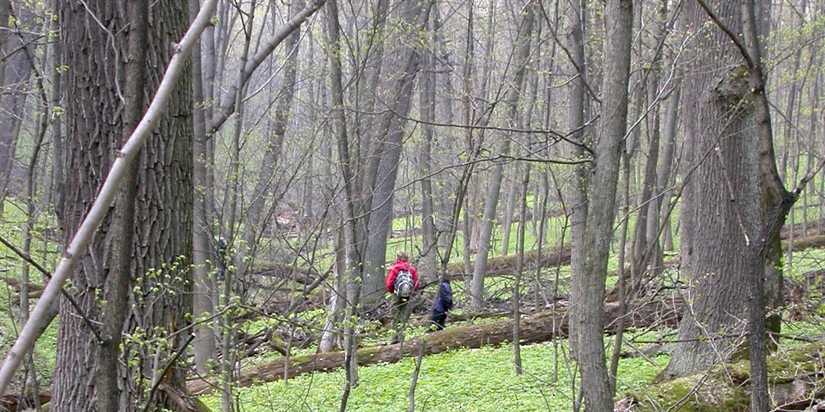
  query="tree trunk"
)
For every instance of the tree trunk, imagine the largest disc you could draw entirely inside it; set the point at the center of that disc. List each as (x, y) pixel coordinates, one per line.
(598, 232)
(380, 174)
(163, 217)
(576, 206)
(203, 288)
(469, 117)
(43, 114)
(330, 336)
(78, 348)
(720, 214)
(522, 226)
(162, 204)
(509, 209)
(352, 269)
(116, 288)
(5, 10)
(427, 270)
(660, 212)
(645, 251)
(17, 69)
(58, 168)
(228, 278)
(522, 54)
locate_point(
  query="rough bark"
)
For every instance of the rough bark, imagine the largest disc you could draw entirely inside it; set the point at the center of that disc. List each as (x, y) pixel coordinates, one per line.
(162, 199)
(720, 213)
(78, 247)
(120, 241)
(89, 149)
(163, 221)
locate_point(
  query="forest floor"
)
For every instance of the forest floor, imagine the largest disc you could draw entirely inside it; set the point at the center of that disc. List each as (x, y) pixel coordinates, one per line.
(659, 306)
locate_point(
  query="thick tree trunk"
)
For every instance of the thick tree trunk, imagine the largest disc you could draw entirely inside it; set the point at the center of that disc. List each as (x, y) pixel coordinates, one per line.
(381, 174)
(121, 235)
(163, 198)
(720, 213)
(78, 348)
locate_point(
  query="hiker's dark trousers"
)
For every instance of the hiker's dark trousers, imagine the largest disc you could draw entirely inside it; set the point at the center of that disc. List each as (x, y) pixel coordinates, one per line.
(438, 319)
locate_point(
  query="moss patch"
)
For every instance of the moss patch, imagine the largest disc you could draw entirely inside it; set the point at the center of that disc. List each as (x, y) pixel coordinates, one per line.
(724, 388)
(692, 394)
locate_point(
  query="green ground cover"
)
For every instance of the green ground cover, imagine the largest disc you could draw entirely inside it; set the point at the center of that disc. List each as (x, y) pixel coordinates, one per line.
(476, 380)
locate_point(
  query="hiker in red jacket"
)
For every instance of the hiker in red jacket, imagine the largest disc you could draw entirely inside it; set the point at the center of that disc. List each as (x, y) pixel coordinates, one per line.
(401, 289)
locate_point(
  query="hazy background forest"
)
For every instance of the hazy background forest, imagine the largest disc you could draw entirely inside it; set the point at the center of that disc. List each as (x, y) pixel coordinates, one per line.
(627, 196)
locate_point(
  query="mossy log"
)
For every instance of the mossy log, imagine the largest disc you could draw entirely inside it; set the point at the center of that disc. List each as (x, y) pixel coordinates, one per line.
(806, 243)
(795, 378)
(814, 228)
(35, 289)
(506, 265)
(181, 401)
(540, 327)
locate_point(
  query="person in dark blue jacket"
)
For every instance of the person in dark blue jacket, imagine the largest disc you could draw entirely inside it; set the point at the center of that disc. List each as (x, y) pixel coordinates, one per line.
(443, 305)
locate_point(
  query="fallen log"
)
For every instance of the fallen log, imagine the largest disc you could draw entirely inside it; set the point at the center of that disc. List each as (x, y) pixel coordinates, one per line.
(809, 242)
(506, 265)
(540, 327)
(795, 376)
(13, 403)
(35, 289)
